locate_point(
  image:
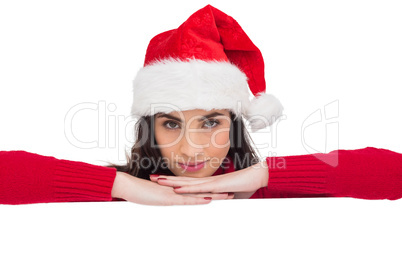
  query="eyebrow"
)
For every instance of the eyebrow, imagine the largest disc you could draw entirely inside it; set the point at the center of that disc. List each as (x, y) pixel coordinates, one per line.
(201, 119)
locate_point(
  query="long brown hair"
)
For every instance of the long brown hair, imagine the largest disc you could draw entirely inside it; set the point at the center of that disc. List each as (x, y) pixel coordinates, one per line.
(145, 158)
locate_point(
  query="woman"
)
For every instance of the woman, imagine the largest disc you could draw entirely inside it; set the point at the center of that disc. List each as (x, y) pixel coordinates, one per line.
(191, 98)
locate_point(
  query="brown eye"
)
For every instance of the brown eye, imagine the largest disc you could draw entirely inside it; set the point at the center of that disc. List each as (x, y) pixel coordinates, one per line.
(211, 123)
(170, 125)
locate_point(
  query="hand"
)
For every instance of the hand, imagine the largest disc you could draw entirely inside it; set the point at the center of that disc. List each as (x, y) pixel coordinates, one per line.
(146, 192)
(243, 183)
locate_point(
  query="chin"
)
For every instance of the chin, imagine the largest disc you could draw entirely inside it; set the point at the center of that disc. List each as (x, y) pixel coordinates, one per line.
(199, 174)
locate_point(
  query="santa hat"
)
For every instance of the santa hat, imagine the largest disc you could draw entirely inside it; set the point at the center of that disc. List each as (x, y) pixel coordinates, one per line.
(207, 63)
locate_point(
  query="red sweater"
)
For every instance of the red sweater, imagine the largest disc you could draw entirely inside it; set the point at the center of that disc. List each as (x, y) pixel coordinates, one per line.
(368, 173)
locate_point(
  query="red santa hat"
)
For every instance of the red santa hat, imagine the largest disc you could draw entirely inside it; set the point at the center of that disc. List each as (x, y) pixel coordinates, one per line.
(207, 63)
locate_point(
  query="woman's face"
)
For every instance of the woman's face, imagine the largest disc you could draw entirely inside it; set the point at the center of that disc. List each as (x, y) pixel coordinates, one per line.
(193, 136)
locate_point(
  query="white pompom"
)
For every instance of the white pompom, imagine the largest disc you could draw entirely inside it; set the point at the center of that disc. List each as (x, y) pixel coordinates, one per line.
(263, 111)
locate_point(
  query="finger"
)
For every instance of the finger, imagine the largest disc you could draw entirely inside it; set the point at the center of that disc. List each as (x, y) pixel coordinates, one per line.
(177, 183)
(219, 196)
(190, 200)
(154, 177)
(197, 188)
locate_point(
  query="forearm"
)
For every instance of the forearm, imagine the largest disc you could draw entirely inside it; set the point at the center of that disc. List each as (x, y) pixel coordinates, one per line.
(259, 171)
(31, 178)
(368, 173)
(119, 186)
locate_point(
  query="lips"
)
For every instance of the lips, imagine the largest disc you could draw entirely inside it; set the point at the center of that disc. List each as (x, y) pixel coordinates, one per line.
(192, 168)
(192, 164)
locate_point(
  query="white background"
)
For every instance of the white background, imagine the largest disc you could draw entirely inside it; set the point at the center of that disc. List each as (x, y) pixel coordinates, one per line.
(342, 55)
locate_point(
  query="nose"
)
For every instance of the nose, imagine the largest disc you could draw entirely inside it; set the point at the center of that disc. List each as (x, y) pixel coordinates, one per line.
(193, 143)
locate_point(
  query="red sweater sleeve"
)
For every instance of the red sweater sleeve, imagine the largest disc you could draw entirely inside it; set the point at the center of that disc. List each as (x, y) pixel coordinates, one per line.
(368, 173)
(31, 178)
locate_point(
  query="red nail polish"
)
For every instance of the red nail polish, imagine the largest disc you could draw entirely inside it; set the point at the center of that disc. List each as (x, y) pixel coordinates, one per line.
(154, 175)
(208, 198)
(177, 187)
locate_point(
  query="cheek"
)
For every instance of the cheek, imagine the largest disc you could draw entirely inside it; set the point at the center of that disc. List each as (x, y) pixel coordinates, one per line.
(221, 138)
(163, 136)
(166, 141)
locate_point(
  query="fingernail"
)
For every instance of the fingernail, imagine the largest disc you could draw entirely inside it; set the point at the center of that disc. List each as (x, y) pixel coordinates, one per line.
(177, 187)
(208, 198)
(154, 175)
